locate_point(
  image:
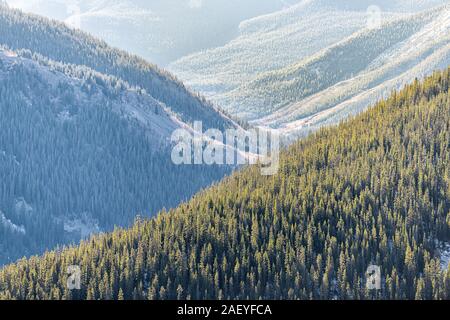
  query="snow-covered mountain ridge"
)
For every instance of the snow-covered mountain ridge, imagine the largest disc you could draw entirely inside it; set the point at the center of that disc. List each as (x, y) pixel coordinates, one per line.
(318, 62)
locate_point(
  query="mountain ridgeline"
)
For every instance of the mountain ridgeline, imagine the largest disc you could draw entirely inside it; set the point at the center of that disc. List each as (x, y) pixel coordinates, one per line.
(373, 191)
(60, 43)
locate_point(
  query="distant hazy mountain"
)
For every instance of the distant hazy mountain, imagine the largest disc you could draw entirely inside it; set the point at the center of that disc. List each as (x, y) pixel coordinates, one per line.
(85, 139)
(358, 54)
(159, 30)
(320, 55)
(346, 85)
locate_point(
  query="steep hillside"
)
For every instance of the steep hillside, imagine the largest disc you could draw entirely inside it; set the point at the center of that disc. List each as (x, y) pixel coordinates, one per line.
(374, 190)
(86, 139)
(419, 55)
(271, 91)
(60, 43)
(81, 152)
(324, 52)
(353, 96)
(159, 30)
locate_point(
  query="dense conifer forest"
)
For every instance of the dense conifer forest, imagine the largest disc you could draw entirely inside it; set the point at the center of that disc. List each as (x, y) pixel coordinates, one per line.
(60, 43)
(85, 139)
(73, 161)
(373, 190)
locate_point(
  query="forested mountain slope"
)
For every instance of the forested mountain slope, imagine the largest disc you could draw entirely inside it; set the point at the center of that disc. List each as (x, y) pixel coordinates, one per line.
(85, 141)
(332, 65)
(60, 43)
(330, 61)
(415, 56)
(374, 190)
(81, 152)
(267, 43)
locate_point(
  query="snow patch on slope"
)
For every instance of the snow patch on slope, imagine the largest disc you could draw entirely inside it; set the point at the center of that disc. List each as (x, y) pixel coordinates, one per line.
(444, 254)
(82, 227)
(10, 225)
(22, 207)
